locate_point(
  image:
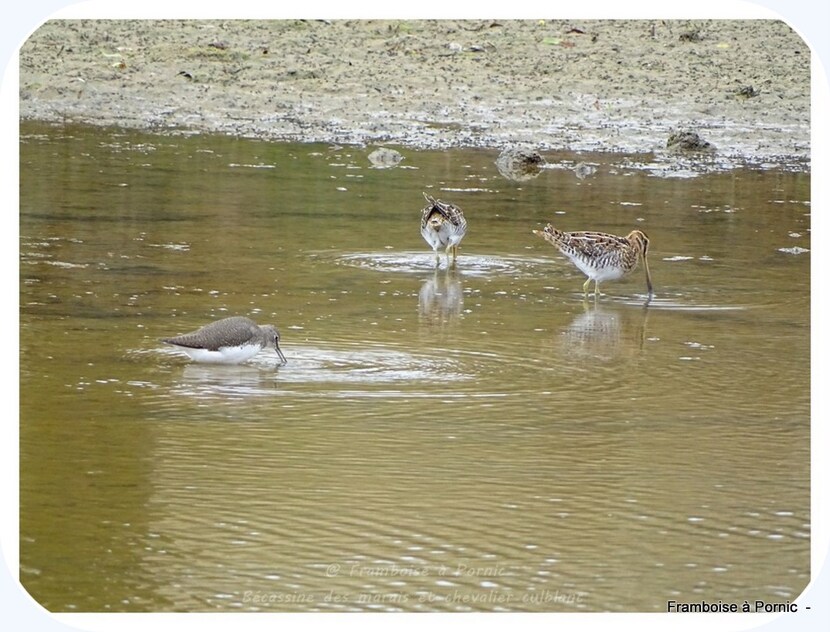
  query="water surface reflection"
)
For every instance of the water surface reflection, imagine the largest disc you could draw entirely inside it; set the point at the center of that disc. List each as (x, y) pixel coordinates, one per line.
(469, 439)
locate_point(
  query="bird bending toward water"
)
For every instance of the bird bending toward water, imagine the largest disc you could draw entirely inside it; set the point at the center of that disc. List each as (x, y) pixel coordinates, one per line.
(443, 225)
(600, 256)
(228, 341)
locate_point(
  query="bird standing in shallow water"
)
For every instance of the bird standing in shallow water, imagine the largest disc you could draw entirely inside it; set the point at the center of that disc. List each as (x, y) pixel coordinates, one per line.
(443, 225)
(228, 341)
(600, 256)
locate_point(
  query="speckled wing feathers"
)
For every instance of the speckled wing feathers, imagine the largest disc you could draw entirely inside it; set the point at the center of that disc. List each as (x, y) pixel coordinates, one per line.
(450, 212)
(601, 249)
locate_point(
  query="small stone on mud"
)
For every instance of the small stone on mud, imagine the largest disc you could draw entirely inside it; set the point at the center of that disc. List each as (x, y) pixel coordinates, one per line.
(516, 163)
(383, 158)
(691, 36)
(688, 141)
(747, 92)
(582, 170)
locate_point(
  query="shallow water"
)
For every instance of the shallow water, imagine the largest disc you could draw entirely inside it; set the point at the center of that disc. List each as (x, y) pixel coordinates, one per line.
(476, 438)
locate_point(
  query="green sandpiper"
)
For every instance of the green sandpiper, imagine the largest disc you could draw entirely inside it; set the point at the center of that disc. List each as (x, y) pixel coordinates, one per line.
(228, 341)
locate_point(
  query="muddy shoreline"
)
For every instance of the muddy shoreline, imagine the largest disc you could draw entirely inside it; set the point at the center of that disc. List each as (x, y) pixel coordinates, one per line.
(590, 86)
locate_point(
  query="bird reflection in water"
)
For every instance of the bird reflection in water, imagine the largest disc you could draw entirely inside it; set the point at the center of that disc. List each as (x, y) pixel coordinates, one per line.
(440, 298)
(602, 333)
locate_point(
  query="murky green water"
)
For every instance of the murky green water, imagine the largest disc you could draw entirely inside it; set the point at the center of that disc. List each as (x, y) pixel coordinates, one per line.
(472, 439)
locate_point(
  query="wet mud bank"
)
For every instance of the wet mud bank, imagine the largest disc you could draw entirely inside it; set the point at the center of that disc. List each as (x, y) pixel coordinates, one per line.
(741, 86)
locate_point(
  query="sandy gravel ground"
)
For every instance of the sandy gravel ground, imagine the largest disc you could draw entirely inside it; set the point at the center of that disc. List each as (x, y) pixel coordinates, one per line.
(618, 86)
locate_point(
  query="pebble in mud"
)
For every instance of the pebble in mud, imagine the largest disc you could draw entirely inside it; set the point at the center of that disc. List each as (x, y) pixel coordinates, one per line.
(582, 170)
(383, 158)
(747, 92)
(519, 164)
(688, 141)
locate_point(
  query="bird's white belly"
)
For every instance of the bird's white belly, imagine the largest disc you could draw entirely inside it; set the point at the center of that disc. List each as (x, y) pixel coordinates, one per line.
(455, 238)
(601, 274)
(225, 355)
(435, 238)
(446, 236)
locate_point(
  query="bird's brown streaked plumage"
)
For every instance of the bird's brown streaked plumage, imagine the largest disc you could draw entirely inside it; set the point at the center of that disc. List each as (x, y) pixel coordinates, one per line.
(601, 256)
(443, 225)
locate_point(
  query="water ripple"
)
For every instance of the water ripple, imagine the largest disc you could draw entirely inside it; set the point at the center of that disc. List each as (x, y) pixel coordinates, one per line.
(475, 265)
